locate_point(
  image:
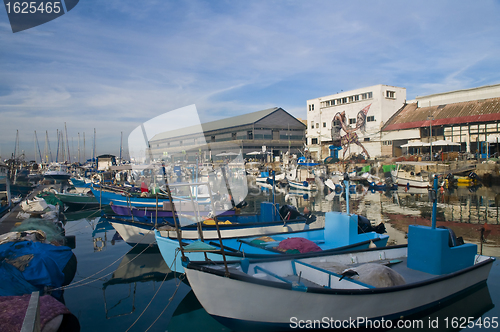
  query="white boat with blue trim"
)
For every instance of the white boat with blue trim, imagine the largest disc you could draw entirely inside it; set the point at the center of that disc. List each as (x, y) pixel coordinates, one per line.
(356, 289)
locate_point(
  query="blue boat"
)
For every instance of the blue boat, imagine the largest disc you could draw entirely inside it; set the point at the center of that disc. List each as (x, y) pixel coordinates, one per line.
(341, 232)
(268, 221)
(125, 198)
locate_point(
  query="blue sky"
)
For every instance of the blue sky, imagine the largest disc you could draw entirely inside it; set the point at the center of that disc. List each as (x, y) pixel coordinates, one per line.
(113, 64)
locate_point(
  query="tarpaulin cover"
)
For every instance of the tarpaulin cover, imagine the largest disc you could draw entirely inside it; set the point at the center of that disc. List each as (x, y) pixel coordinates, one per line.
(40, 265)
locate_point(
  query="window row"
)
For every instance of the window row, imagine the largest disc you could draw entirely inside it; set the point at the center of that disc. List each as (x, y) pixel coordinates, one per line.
(345, 100)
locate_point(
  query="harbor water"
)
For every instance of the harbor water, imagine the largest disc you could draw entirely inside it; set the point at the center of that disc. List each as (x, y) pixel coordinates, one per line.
(121, 288)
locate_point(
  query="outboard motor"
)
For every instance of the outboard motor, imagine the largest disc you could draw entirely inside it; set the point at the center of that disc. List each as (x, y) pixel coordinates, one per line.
(288, 212)
(365, 226)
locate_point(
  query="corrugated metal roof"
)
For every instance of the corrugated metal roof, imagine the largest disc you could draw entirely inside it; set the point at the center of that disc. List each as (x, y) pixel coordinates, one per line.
(411, 116)
(235, 121)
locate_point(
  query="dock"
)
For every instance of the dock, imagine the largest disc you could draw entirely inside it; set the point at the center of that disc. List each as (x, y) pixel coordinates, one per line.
(9, 220)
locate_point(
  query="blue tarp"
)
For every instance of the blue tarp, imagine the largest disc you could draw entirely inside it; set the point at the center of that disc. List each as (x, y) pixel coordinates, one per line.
(45, 268)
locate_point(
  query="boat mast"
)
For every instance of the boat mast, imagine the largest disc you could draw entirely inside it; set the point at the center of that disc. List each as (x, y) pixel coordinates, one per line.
(16, 146)
(67, 144)
(84, 158)
(78, 147)
(121, 142)
(57, 153)
(38, 146)
(93, 150)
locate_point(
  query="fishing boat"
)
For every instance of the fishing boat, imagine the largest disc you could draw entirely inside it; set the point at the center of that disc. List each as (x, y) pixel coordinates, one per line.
(341, 232)
(367, 288)
(411, 174)
(268, 221)
(78, 200)
(304, 185)
(164, 211)
(58, 172)
(124, 197)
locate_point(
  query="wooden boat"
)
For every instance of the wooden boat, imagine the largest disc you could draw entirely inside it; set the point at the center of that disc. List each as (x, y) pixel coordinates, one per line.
(366, 288)
(164, 212)
(341, 232)
(411, 178)
(78, 200)
(57, 172)
(304, 185)
(268, 221)
(126, 198)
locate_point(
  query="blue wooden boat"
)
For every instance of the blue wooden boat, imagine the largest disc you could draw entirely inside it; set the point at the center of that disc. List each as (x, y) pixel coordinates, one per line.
(268, 221)
(341, 232)
(127, 198)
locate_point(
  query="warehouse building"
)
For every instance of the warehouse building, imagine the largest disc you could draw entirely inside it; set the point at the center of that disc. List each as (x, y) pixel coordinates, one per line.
(269, 132)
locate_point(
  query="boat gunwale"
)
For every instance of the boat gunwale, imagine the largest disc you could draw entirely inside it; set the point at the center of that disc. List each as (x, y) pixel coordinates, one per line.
(241, 254)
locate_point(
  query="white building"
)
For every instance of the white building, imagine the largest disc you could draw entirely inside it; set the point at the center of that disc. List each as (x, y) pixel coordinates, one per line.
(383, 102)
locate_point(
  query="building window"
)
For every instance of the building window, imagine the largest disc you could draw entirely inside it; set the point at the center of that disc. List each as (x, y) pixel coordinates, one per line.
(317, 125)
(233, 136)
(212, 138)
(367, 95)
(370, 118)
(390, 94)
(366, 139)
(352, 121)
(312, 126)
(314, 141)
(324, 124)
(311, 107)
(344, 100)
(249, 134)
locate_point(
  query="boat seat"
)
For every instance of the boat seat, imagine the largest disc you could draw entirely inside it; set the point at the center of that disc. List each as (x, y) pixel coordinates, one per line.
(199, 246)
(324, 277)
(429, 251)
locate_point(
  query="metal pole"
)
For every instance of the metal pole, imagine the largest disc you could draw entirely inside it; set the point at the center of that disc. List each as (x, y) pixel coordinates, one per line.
(434, 203)
(346, 185)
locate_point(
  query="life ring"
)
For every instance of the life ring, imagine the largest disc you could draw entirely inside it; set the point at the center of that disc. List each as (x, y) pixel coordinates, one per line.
(96, 178)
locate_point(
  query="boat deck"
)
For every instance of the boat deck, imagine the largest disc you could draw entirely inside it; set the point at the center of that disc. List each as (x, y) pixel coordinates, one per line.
(335, 270)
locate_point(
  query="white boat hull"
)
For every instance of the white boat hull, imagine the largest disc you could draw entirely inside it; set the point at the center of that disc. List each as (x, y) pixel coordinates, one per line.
(248, 303)
(134, 234)
(301, 186)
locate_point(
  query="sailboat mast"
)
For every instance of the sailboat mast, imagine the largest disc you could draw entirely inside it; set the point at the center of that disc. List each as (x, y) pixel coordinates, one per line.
(67, 144)
(16, 146)
(93, 150)
(78, 147)
(57, 153)
(38, 146)
(121, 142)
